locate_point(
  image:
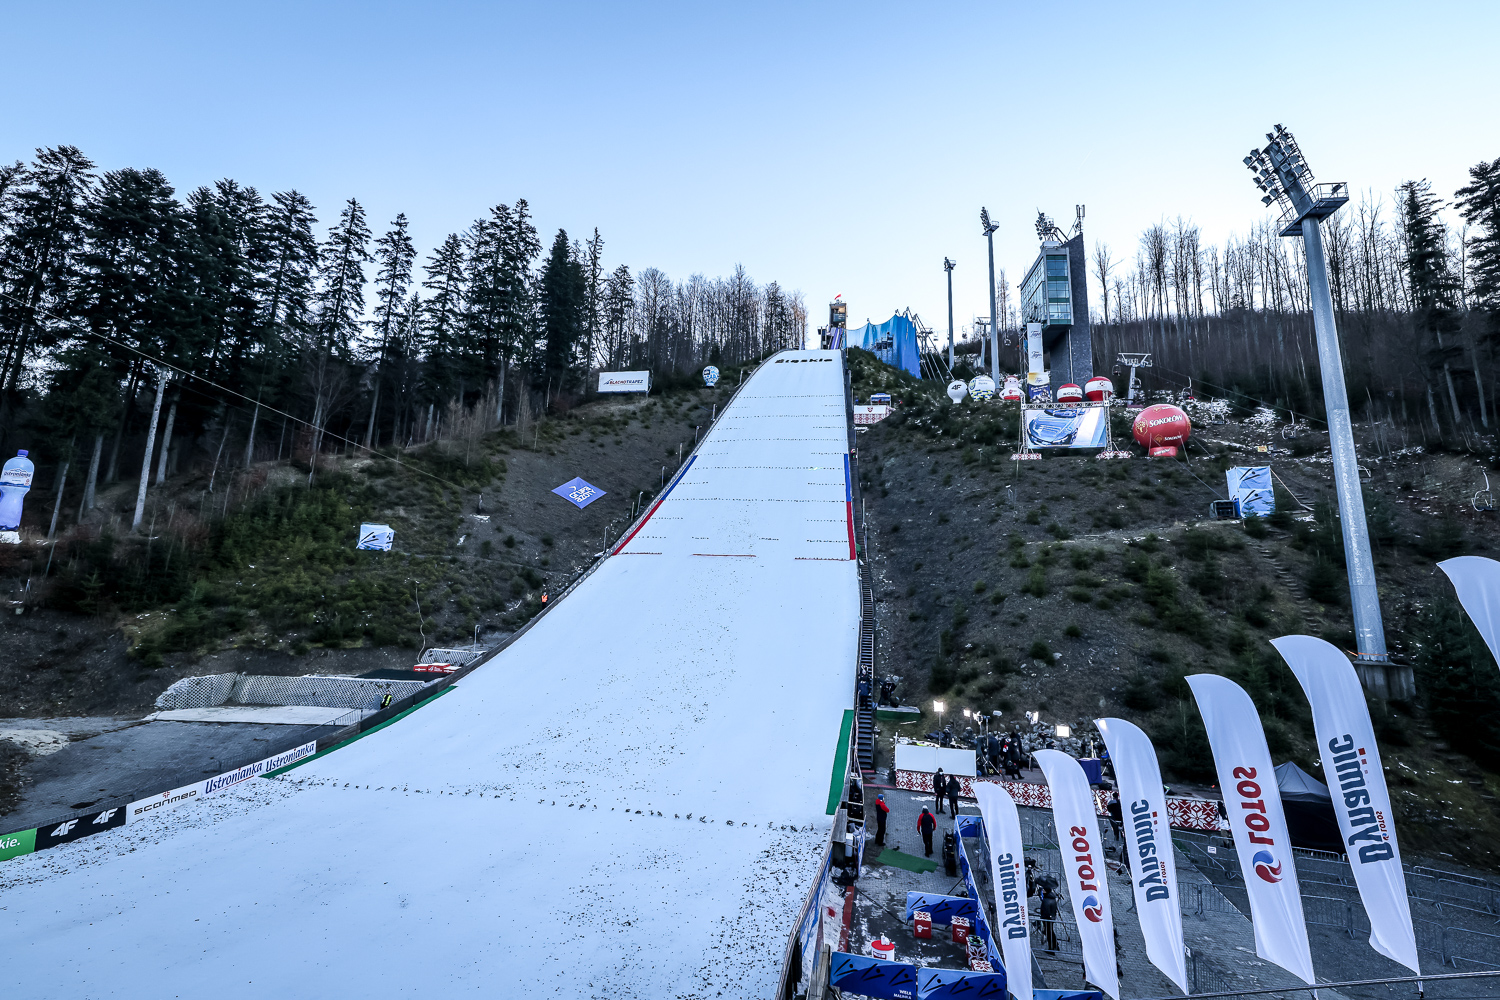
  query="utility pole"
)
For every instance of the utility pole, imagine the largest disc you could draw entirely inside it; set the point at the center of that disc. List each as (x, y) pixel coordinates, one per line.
(1282, 173)
(989, 235)
(948, 267)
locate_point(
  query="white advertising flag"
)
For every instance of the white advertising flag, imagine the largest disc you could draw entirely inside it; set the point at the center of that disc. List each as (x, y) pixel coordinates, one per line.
(1351, 765)
(1082, 851)
(1003, 828)
(1477, 581)
(1248, 780)
(1153, 869)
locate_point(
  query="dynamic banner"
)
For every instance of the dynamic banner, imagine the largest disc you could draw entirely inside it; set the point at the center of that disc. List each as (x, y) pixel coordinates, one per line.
(1352, 768)
(1153, 868)
(1003, 825)
(1477, 581)
(1248, 780)
(1066, 427)
(1083, 866)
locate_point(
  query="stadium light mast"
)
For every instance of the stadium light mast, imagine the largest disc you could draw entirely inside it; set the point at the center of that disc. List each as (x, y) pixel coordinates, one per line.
(989, 235)
(948, 266)
(1283, 176)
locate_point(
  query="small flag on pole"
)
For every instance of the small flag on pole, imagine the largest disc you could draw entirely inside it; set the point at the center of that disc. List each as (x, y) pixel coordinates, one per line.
(579, 493)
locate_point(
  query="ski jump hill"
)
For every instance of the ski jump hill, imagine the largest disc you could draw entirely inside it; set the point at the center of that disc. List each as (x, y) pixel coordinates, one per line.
(627, 801)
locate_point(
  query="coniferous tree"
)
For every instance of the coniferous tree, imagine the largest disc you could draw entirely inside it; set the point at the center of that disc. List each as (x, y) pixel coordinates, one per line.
(442, 320)
(45, 209)
(562, 298)
(394, 253)
(1430, 281)
(339, 310)
(1479, 203)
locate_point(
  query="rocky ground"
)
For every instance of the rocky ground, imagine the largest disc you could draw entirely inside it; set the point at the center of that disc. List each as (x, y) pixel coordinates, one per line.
(1074, 587)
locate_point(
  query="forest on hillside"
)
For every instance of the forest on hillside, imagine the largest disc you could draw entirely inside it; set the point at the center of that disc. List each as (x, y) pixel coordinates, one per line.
(218, 325)
(1415, 280)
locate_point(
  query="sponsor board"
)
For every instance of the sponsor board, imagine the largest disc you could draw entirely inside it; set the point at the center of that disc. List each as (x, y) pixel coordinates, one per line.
(870, 414)
(1065, 427)
(624, 381)
(190, 793)
(18, 843)
(68, 830)
(579, 493)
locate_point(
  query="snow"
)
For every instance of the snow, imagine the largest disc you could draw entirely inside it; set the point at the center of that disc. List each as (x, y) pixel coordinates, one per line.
(627, 802)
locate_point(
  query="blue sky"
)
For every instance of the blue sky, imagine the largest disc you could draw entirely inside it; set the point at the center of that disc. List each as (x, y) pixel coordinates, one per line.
(838, 148)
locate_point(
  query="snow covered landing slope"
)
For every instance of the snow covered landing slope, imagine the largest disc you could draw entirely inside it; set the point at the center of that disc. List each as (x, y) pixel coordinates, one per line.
(527, 834)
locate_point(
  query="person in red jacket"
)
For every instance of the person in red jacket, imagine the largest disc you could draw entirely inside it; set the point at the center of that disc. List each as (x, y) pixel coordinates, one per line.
(926, 824)
(881, 811)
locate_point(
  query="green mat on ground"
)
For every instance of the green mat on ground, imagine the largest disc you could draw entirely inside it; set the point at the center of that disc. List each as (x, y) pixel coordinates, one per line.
(912, 863)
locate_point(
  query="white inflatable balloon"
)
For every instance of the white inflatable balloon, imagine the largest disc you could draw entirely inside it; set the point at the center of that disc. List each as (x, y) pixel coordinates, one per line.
(957, 390)
(710, 376)
(982, 387)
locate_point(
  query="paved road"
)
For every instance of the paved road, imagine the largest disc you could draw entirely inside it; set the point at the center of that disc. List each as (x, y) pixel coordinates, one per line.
(129, 760)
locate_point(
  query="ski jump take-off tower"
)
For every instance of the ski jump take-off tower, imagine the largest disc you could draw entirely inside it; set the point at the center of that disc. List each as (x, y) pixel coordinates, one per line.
(1055, 297)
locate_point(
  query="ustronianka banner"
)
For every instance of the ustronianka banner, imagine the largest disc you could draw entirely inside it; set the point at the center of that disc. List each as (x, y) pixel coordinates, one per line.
(1083, 865)
(1057, 427)
(1477, 581)
(1153, 869)
(190, 793)
(1003, 826)
(1248, 780)
(1351, 765)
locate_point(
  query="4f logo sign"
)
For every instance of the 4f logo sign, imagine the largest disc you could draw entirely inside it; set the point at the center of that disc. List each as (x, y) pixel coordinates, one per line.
(79, 826)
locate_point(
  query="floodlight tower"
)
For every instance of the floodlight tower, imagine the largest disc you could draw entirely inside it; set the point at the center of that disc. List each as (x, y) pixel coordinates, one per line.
(1282, 173)
(989, 235)
(948, 266)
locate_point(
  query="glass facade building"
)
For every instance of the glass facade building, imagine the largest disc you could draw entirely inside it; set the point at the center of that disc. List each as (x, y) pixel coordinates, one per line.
(1047, 292)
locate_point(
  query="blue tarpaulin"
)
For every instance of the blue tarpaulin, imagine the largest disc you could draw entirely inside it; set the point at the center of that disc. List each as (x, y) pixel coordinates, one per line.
(894, 342)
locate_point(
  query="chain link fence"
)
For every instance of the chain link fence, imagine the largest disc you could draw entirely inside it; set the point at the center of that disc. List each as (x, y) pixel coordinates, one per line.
(213, 690)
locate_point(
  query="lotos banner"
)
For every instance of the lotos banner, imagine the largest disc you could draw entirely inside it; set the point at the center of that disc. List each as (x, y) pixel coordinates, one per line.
(1248, 779)
(1083, 866)
(1351, 766)
(1007, 855)
(1153, 870)
(1477, 581)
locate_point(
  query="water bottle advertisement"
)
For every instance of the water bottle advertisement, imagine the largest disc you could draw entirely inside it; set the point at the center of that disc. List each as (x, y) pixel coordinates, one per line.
(15, 483)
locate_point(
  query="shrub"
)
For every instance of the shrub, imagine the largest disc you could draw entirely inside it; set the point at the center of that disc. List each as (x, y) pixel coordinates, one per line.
(1033, 516)
(979, 586)
(1059, 532)
(1325, 582)
(1040, 651)
(1255, 527)
(1073, 632)
(1080, 594)
(1036, 582)
(1140, 694)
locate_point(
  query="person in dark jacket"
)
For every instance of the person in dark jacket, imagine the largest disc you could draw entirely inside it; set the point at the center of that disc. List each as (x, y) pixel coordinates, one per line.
(953, 789)
(881, 811)
(939, 789)
(926, 823)
(1116, 815)
(1048, 913)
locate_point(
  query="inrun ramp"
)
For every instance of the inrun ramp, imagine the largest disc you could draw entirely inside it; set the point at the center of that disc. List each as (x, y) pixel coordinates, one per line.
(629, 801)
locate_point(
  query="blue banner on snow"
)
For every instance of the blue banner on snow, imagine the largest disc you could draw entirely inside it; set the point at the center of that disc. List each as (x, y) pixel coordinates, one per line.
(873, 977)
(939, 983)
(942, 908)
(579, 493)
